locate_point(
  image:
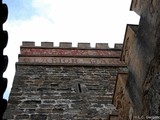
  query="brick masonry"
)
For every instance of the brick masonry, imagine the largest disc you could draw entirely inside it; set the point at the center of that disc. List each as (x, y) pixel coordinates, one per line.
(64, 90)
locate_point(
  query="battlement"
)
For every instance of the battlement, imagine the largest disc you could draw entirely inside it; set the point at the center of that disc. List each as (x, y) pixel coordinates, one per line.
(69, 45)
(65, 54)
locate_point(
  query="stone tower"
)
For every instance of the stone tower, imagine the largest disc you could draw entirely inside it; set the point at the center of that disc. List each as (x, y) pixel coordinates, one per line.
(65, 82)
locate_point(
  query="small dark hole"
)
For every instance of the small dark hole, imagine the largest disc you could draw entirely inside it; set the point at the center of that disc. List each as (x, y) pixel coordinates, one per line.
(79, 88)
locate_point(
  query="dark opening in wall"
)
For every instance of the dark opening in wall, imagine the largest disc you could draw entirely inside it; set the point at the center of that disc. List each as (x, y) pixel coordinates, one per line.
(79, 88)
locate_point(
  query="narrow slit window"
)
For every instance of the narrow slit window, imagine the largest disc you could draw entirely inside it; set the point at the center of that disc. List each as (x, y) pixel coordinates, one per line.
(79, 88)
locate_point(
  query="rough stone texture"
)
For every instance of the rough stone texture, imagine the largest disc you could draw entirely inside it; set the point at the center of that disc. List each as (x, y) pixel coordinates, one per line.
(28, 44)
(102, 45)
(58, 91)
(84, 45)
(128, 43)
(72, 61)
(113, 117)
(47, 44)
(139, 97)
(65, 45)
(121, 99)
(113, 53)
(137, 6)
(144, 61)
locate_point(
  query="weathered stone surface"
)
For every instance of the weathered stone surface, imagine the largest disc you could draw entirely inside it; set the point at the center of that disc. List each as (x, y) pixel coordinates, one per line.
(28, 44)
(121, 99)
(69, 92)
(78, 84)
(65, 45)
(137, 6)
(102, 45)
(70, 52)
(47, 44)
(72, 61)
(143, 77)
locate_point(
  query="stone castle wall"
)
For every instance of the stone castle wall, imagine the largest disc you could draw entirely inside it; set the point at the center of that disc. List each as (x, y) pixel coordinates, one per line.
(140, 90)
(62, 83)
(83, 81)
(144, 71)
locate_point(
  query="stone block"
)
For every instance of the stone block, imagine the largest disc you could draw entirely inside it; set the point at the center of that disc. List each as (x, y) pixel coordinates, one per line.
(118, 46)
(84, 45)
(65, 45)
(102, 45)
(28, 44)
(47, 44)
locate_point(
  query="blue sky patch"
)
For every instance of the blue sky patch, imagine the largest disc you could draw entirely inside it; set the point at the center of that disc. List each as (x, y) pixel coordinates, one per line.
(20, 9)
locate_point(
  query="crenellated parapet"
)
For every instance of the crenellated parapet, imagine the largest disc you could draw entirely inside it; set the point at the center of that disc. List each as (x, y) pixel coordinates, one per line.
(69, 45)
(65, 54)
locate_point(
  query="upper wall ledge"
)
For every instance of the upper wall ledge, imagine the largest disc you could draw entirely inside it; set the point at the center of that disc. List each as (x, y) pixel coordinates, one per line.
(69, 45)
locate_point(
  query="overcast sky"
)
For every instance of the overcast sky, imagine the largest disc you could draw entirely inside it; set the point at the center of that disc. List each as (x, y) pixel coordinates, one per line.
(91, 21)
